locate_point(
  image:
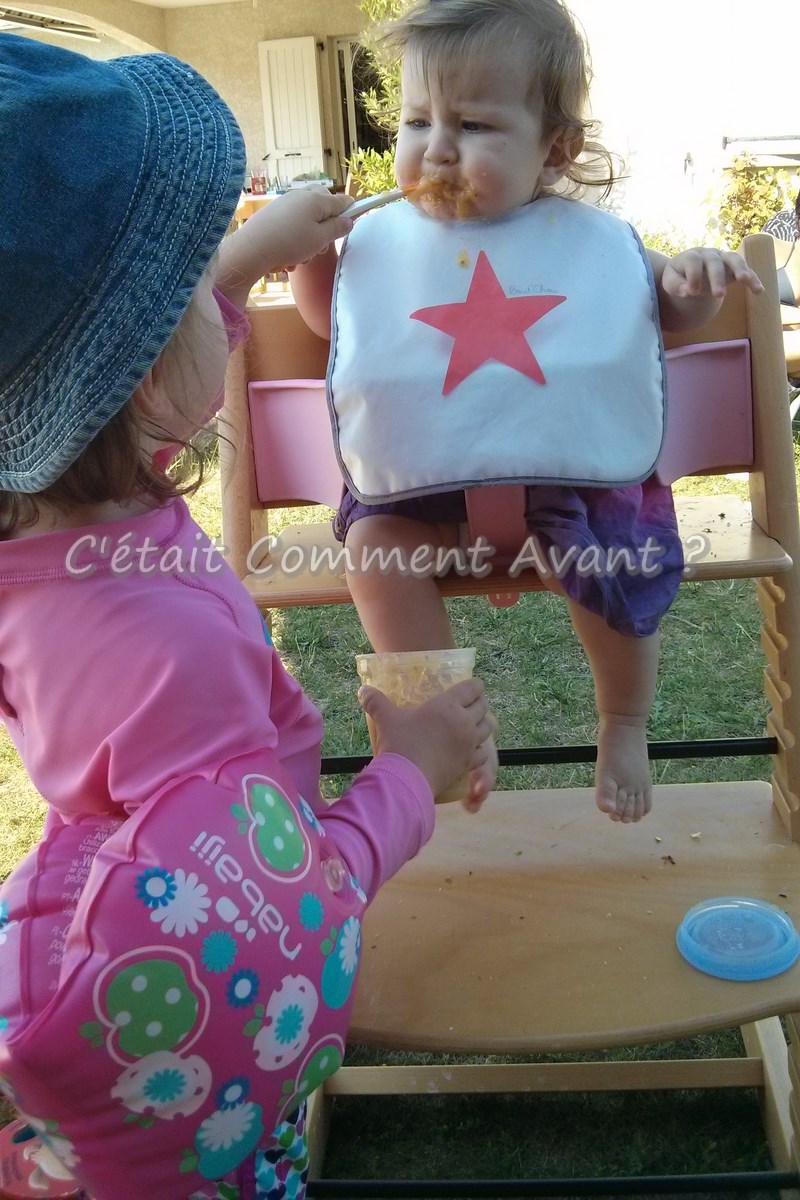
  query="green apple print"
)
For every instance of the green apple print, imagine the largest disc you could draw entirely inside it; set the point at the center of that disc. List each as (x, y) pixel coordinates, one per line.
(278, 836)
(152, 1006)
(325, 1061)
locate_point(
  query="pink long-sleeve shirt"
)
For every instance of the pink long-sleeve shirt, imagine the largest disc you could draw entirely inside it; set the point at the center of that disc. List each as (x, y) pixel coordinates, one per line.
(131, 656)
(135, 666)
(209, 942)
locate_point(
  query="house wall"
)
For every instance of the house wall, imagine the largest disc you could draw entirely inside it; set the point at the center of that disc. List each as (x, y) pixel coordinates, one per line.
(221, 41)
(128, 27)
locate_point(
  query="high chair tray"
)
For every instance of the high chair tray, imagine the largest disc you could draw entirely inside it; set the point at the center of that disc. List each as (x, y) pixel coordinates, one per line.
(539, 925)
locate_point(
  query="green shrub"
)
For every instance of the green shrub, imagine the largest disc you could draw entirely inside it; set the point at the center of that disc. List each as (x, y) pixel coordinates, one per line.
(382, 104)
(750, 195)
(372, 171)
(668, 241)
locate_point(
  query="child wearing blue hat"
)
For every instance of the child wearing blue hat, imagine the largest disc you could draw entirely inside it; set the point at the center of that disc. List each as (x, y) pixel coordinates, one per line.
(178, 955)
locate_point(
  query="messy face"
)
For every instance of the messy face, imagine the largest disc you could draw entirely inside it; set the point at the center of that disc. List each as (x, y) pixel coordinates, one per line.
(471, 142)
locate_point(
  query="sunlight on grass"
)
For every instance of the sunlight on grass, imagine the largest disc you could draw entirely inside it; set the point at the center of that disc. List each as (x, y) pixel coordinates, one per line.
(21, 806)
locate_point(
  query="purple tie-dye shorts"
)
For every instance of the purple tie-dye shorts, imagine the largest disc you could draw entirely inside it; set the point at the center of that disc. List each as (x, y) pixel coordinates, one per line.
(595, 538)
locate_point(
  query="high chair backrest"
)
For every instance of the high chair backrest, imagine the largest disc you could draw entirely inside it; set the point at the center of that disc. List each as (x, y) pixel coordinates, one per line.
(291, 469)
(280, 348)
(295, 462)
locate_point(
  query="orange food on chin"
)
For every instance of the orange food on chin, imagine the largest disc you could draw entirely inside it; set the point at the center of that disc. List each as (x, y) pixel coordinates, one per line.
(458, 198)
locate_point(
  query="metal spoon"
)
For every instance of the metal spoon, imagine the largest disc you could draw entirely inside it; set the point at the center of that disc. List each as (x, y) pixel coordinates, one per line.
(369, 202)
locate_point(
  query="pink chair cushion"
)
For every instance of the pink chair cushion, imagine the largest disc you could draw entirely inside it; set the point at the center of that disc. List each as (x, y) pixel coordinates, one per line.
(292, 443)
(709, 428)
(709, 410)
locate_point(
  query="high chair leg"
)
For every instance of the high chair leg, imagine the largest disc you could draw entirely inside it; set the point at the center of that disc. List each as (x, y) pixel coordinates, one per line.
(765, 1040)
(318, 1120)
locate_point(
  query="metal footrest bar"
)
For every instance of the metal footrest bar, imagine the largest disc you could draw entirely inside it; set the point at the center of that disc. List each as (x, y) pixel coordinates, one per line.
(654, 1185)
(546, 755)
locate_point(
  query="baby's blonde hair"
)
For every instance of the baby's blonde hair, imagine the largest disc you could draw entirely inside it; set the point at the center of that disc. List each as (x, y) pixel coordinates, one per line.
(451, 32)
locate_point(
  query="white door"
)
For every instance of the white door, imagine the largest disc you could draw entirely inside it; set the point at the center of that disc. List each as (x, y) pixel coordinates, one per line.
(291, 98)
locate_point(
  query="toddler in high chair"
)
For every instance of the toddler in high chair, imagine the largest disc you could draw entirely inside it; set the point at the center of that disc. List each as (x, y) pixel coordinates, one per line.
(492, 125)
(178, 954)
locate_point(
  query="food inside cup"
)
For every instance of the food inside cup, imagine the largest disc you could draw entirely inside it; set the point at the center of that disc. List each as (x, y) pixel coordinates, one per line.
(413, 677)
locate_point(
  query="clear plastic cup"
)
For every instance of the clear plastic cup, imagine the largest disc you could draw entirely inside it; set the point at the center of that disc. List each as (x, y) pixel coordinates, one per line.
(412, 677)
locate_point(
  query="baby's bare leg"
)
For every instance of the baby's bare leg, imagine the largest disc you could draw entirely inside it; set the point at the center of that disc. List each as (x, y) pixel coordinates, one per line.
(625, 673)
(398, 611)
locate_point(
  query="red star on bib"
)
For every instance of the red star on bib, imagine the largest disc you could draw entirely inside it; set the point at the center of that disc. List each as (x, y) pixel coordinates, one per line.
(488, 325)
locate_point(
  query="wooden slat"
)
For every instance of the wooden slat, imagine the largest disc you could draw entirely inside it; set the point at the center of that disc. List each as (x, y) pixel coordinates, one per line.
(306, 564)
(721, 540)
(538, 925)
(486, 1078)
(729, 323)
(280, 345)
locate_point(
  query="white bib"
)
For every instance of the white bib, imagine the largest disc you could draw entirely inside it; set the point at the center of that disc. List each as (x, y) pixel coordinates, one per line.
(524, 349)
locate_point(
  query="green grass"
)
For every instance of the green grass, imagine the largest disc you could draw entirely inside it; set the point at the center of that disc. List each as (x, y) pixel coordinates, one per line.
(541, 691)
(21, 807)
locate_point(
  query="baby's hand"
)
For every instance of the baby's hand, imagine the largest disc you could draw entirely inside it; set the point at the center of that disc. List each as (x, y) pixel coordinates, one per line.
(445, 737)
(702, 271)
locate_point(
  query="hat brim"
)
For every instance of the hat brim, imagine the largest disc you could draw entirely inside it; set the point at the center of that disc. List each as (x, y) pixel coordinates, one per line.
(186, 191)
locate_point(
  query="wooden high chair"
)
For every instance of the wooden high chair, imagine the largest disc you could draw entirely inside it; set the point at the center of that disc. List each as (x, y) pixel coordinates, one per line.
(537, 925)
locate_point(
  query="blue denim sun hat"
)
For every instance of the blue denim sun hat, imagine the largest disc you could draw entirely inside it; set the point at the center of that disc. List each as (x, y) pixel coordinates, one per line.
(118, 180)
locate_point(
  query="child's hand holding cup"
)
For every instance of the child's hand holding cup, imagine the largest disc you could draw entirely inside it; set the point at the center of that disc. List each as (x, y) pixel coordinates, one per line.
(444, 737)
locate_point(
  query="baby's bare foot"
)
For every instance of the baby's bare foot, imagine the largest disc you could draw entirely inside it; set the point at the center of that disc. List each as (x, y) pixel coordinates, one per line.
(623, 784)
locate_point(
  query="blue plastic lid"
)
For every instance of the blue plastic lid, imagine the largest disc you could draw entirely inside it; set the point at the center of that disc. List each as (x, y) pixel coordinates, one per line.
(734, 937)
